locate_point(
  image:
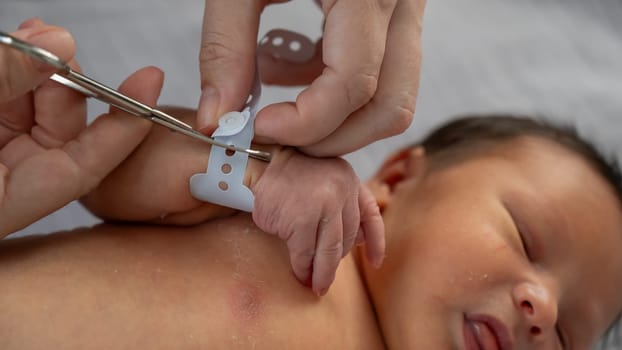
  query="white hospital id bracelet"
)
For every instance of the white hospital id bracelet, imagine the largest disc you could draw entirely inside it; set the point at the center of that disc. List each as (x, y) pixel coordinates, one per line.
(223, 183)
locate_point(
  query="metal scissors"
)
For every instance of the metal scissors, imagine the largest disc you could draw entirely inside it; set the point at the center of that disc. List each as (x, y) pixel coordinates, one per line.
(92, 88)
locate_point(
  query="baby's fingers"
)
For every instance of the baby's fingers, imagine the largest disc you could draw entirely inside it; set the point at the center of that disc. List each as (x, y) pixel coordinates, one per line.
(328, 253)
(301, 246)
(372, 226)
(351, 222)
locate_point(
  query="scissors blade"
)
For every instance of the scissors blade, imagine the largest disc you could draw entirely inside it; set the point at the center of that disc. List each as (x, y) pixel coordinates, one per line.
(163, 119)
(92, 88)
(64, 81)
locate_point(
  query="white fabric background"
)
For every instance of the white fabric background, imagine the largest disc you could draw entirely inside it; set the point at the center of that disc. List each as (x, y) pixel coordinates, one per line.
(557, 57)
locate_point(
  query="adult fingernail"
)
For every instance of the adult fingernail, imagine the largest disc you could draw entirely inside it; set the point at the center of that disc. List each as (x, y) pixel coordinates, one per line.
(208, 107)
(59, 42)
(31, 23)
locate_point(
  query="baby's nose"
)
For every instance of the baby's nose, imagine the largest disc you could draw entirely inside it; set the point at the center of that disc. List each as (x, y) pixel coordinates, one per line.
(538, 309)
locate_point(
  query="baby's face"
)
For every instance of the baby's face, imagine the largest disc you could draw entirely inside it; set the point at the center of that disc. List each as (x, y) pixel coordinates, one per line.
(518, 248)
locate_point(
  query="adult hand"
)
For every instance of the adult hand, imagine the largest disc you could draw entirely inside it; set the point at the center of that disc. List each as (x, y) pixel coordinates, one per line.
(48, 156)
(364, 77)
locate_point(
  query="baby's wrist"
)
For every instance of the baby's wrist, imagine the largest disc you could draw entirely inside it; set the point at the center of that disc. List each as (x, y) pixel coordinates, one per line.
(256, 168)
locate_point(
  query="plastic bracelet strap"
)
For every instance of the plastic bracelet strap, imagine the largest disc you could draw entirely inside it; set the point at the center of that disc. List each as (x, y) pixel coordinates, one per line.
(223, 182)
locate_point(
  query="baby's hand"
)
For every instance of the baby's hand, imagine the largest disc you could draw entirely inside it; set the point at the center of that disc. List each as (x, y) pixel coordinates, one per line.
(320, 208)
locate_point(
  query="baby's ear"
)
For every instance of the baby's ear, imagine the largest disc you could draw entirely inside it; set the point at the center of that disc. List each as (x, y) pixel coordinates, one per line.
(406, 164)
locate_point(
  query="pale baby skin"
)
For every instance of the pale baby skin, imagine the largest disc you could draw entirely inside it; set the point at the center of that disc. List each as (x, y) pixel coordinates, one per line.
(508, 244)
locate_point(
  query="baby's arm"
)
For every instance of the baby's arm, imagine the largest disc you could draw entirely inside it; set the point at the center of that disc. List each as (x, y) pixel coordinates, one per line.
(151, 185)
(317, 206)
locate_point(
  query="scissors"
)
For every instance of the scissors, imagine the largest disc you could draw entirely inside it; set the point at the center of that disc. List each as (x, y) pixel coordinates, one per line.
(92, 88)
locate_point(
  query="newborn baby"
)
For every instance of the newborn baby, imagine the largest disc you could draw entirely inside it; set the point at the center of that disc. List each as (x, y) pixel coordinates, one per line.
(502, 233)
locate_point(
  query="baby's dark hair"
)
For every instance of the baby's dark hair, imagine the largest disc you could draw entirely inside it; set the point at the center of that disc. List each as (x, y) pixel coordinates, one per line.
(470, 130)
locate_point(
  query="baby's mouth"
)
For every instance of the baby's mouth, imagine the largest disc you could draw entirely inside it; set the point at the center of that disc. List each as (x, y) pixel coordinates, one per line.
(485, 332)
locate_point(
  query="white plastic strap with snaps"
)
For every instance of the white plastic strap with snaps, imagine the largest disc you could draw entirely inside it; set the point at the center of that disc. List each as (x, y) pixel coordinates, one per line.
(223, 182)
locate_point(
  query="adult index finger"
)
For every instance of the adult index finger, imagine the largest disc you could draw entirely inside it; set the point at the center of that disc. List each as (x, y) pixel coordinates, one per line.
(226, 58)
(353, 48)
(392, 109)
(18, 72)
